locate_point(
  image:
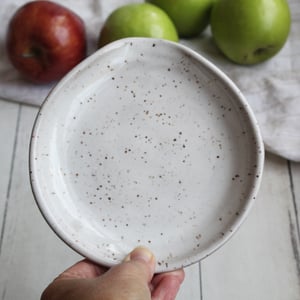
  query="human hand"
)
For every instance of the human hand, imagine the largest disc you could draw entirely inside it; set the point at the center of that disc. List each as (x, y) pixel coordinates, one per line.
(133, 279)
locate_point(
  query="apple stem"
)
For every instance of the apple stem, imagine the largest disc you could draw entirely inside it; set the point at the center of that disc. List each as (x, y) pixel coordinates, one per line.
(33, 52)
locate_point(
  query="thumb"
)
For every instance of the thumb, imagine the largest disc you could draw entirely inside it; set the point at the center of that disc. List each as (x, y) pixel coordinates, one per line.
(131, 279)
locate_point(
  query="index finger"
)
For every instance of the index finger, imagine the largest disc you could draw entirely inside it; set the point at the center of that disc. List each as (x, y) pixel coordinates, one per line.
(83, 269)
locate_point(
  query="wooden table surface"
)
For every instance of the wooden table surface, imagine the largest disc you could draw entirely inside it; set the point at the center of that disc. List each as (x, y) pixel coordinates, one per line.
(261, 261)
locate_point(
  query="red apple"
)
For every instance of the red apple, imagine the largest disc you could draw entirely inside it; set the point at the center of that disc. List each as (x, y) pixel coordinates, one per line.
(45, 40)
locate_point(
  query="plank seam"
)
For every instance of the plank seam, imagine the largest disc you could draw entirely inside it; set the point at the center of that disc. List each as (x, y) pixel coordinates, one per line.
(294, 245)
(200, 281)
(294, 199)
(10, 177)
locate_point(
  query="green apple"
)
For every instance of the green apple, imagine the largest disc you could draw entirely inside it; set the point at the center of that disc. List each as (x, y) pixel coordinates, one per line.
(137, 20)
(250, 31)
(190, 17)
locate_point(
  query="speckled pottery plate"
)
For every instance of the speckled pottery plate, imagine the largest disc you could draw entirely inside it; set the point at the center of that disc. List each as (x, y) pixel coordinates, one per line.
(145, 143)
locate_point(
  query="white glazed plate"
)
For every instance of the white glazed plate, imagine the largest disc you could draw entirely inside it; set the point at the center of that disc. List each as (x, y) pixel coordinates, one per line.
(145, 143)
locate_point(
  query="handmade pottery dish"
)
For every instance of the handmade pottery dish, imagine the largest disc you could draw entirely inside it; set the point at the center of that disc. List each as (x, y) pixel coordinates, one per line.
(145, 143)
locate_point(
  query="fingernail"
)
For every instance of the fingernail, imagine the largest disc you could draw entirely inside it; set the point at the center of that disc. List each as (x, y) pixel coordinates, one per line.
(141, 254)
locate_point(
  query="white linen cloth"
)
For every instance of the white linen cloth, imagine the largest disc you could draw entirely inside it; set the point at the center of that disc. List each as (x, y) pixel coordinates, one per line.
(271, 88)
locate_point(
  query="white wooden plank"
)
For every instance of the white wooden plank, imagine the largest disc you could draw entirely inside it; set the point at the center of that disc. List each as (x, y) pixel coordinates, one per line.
(31, 254)
(259, 261)
(295, 187)
(191, 287)
(8, 122)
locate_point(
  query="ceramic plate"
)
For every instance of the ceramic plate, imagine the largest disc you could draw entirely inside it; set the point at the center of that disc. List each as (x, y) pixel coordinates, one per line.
(145, 143)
